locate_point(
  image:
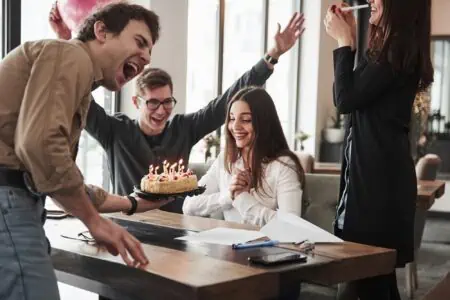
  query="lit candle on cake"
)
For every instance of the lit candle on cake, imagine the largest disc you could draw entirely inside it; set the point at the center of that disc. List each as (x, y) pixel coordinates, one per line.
(156, 170)
(165, 164)
(180, 165)
(172, 168)
(150, 169)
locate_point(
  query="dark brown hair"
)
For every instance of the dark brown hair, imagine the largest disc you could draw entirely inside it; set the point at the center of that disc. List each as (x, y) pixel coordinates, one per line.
(402, 38)
(152, 78)
(116, 17)
(269, 142)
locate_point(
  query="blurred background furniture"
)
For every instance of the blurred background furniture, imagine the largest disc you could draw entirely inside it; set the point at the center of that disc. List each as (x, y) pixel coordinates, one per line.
(331, 152)
(440, 291)
(320, 198)
(426, 169)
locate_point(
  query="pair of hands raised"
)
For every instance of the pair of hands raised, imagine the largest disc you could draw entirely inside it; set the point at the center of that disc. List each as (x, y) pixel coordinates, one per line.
(241, 181)
(341, 25)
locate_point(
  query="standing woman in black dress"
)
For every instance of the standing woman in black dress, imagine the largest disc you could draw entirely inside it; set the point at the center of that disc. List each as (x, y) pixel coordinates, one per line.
(378, 181)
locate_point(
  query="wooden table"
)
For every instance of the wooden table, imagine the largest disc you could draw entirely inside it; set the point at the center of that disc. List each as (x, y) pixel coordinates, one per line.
(327, 168)
(440, 291)
(183, 270)
(428, 192)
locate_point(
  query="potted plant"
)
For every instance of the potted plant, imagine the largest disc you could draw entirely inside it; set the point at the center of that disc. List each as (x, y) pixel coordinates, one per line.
(335, 132)
(211, 142)
(421, 132)
(300, 137)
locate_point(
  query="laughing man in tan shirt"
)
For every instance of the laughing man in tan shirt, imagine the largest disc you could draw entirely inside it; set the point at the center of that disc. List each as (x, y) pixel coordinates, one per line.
(45, 95)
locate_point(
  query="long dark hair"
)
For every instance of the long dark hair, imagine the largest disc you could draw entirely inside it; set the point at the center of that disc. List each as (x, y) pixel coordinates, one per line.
(269, 142)
(402, 38)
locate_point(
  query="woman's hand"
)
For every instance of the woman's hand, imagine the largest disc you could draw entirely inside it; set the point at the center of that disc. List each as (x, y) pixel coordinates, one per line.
(57, 24)
(349, 18)
(240, 182)
(117, 241)
(338, 28)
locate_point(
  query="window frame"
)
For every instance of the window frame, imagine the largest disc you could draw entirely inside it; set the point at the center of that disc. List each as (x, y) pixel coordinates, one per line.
(11, 19)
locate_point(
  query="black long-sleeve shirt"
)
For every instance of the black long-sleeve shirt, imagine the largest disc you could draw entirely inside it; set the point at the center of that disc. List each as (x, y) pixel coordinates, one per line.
(130, 151)
(381, 187)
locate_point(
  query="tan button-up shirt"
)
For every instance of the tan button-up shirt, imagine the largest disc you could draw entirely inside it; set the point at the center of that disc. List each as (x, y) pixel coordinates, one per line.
(45, 91)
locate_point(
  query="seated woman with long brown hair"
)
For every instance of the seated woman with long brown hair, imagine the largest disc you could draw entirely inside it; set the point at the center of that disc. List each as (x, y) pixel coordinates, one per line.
(257, 174)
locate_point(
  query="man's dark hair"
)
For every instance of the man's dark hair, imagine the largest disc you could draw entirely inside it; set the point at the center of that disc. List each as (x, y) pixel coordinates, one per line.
(152, 78)
(116, 17)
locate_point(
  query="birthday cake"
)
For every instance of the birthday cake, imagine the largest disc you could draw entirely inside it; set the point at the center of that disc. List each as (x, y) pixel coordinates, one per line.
(172, 180)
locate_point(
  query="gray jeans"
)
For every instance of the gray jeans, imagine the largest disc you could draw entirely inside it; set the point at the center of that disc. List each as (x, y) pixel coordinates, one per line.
(25, 265)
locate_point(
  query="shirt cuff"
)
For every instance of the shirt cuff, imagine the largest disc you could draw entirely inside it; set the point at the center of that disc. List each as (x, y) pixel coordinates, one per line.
(343, 60)
(225, 202)
(244, 202)
(343, 49)
(261, 67)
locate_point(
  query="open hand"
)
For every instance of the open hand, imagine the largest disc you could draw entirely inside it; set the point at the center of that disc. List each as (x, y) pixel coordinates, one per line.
(337, 27)
(240, 182)
(286, 38)
(57, 24)
(117, 241)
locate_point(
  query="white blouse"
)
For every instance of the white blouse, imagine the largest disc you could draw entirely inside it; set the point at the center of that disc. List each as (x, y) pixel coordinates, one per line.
(280, 183)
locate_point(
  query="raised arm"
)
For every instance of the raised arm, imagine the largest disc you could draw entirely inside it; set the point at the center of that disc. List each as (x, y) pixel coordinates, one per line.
(359, 89)
(212, 116)
(211, 200)
(99, 124)
(353, 91)
(288, 196)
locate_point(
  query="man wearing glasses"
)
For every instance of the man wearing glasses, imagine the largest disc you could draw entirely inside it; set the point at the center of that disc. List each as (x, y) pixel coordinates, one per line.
(134, 144)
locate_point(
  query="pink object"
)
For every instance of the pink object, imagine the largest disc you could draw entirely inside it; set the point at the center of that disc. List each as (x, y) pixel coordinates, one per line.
(73, 12)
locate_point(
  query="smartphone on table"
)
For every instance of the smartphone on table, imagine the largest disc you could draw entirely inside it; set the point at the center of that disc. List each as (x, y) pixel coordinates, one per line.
(279, 258)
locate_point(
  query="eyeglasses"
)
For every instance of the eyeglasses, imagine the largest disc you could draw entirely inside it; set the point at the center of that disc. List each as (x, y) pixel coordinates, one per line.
(306, 246)
(153, 104)
(84, 236)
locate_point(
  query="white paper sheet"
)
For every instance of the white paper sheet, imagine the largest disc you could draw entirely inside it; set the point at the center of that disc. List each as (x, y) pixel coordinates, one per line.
(223, 236)
(288, 228)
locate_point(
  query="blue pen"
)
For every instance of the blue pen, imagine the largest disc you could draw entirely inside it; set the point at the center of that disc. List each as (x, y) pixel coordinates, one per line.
(254, 245)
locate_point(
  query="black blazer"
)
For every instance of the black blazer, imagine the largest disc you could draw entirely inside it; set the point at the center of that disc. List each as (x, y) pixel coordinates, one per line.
(382, 191)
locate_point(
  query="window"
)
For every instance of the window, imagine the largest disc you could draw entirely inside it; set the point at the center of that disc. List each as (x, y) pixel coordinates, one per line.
(440, 90)
(243, 37)
(1, 29)
(282, 85)
(34, 20)
(243, 40)
(202, 57)
(91, 157)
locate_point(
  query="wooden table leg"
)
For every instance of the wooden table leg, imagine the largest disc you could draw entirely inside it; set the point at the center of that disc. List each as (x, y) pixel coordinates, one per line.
(409, 278)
